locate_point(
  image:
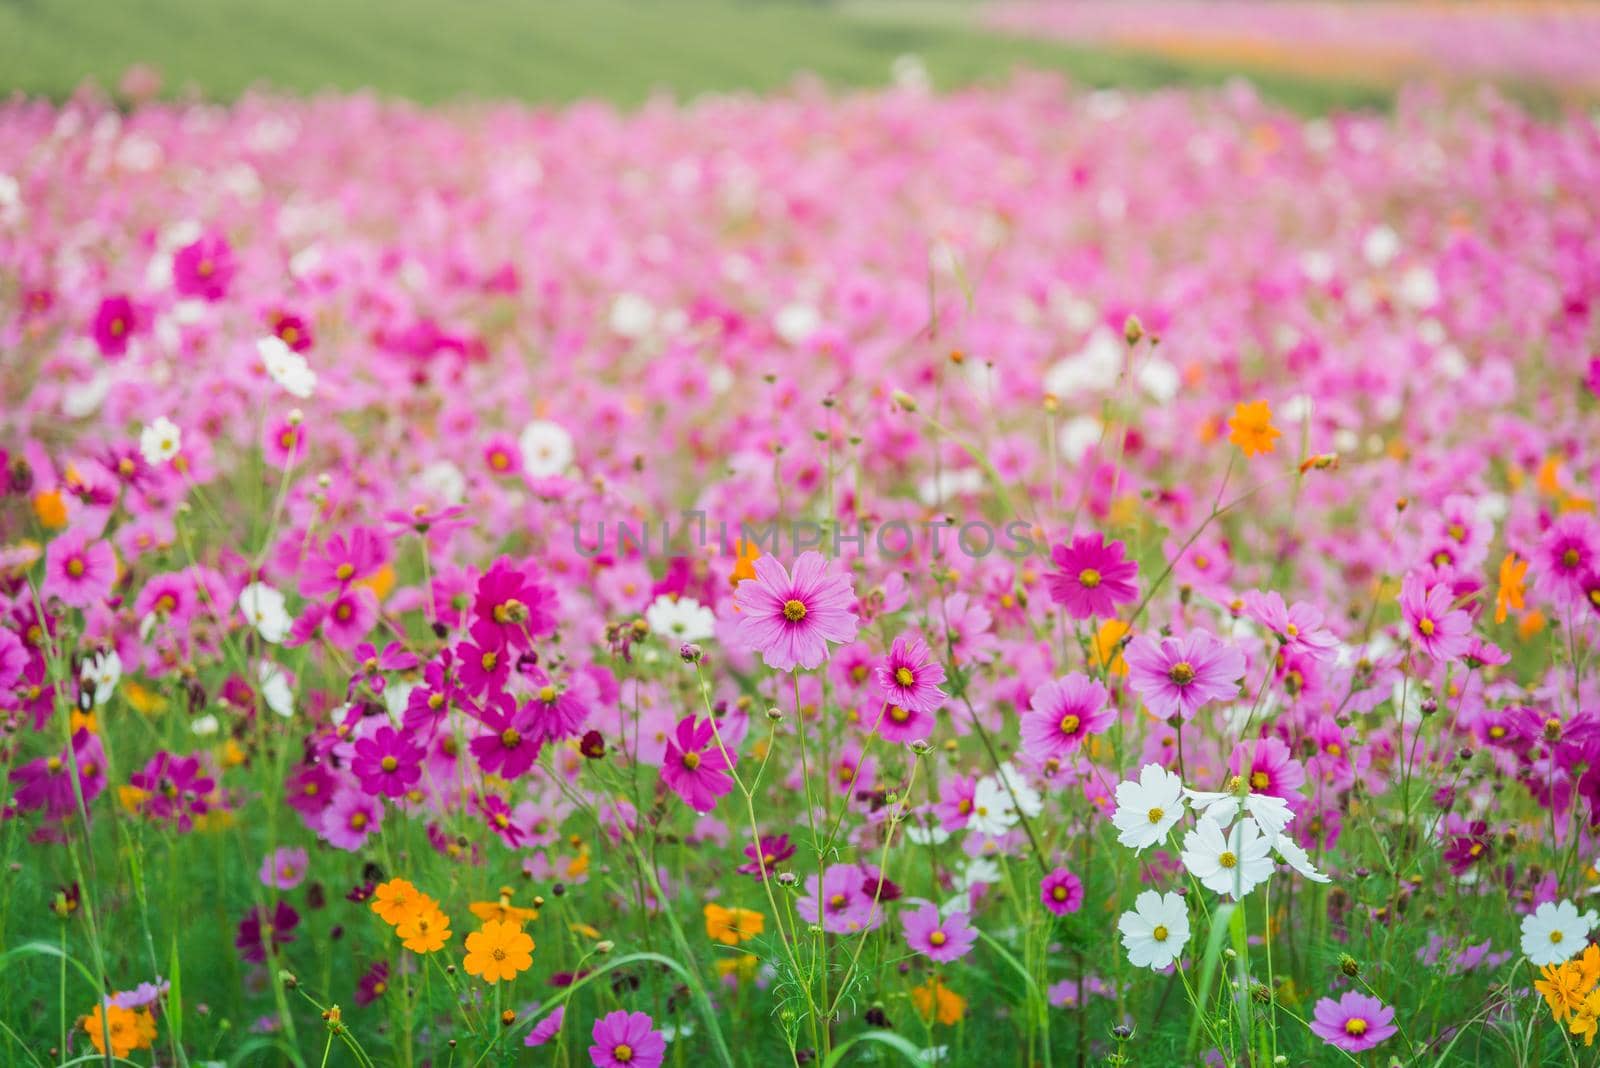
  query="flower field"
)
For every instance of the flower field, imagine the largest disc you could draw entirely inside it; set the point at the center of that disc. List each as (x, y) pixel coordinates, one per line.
(1015, 575)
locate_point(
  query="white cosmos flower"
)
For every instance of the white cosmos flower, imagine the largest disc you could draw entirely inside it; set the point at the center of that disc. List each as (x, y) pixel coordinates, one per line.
(264, 607)
(287, 367)
(103, 671)
(632, 316)
(992, 811)
(1148, 809)
(444, 481)
(1554, 932)
(275, 689)
(1155, 931)
(205, 726)
(796, 322)
(160, 441)
(1233, 864)
(680, 618)
(546, 448)
(1271, 813)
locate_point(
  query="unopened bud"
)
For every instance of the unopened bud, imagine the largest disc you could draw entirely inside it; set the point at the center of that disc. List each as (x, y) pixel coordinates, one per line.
(904, 400)
(1132, 330)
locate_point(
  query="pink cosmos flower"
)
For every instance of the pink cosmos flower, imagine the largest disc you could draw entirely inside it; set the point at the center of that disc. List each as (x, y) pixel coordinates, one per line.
(1354, 1023)
(1062, 713)
(899, 724)
(387, 764)
(1062, 892)
(1094, 578)
(174, 788)
(909, 676)
(791, 619)
(343, 560)
(1269, 767)
(1175, 676)
(1567, 554)
(694, 767)
(939, 940)
(284, 868)
(79, 570)
(350, 616)
(956, 793)
(350, 819)
(203, 269)
(625, 1039)
(547, 1028)
(1298, 626)
(514, 606)
(114, 323)
(513, 740)
(766, 855)
(1437, 628)
(844, 903)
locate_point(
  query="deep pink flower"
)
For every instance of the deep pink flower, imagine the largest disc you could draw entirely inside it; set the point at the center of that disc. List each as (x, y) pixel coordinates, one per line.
(1094, 578)
(909, 676)
(351, 818)
(374, 983)
(956, 793)
(114, 324)
(514, 607)
(771, 851)
(844, 903)
(1062, 892)
(78, 569)
(1269, 767)
(350, 617)
(1062, 713)
(694, 767)
(547, 1028)
(1566, 556)
(1436, 627)
(557, 712)
(203, 269)
(1175, 676)
(625, 1039)
(1354, 1023)
(513, 740)
(258, 930)
(174, 789)
(387, 764)
(345, 559)
(485, 661)
(790, 619)
(939, 940)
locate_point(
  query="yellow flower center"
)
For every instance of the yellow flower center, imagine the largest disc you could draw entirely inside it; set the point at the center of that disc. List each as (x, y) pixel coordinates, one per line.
(1070, 724)
(691, 760)
(1259, 780)
(902, 675)
(1555, 937)
(1426, 627)
(623, 1052)
(1089, 578)
(1228, 860)
(1156, 814)
(1291, 630)
(794, 611)
(358, 820)
(1570, 558)
(510, 738)
(75, 567)
(937, 938)
(1160, 933)
(1059, 893)
(898, 714)
(344, 571)
(118, 327)
(1355, 1027)
(490, 658)
(389, 763)
(511, 611)
(547, 694)
(1181, 673)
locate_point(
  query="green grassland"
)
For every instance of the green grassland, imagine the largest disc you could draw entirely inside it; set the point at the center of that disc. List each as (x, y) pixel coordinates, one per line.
(553, 50)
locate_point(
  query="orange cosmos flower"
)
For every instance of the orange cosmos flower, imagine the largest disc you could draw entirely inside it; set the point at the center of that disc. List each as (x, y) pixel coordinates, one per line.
(1251, 428)
(424, 929)
(1513, 574)
(397, 899)
(933, 1000)
(732, 926)
(499, 951)
(503, 909)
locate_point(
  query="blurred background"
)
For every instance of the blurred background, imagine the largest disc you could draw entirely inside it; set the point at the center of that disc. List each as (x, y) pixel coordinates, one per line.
(1308, 54)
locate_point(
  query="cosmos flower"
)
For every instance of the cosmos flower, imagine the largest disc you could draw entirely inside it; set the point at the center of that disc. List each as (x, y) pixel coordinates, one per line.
(547, 1028)
(1155, 931)
(1061, 892)
(791, 619)
(284, 868)
(941, 940)
(1149, 808)
(1354, 1023)
(1232, 862)
(1555, 931)
(1062, 713)
(1093, 578)
(499, 950)
(260, 929)
(79, 569)
(160, 441)
(681, 619)
(909, 677)
(1433, 624)
(625, 1039)
(512, 741)
(1250, 427)
(694, 767)
(1175, 676)
(387, 763)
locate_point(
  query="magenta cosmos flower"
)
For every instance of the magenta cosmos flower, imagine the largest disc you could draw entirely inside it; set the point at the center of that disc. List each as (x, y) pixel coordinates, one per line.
(387, 764)
(1062, 892)
(513, 607)
(625, 1039)
(1438, 629)
(1175, 676)
(1354, 1023)
(1094, 578)
(1567, 554)
(547, 1028)
(1269, 767)
(939, 940)
(694, 767)
(513, 741)
(790, 619)
(114, 323)
(1062, 713)
(909, 676)
(79, 570)
(203, 269)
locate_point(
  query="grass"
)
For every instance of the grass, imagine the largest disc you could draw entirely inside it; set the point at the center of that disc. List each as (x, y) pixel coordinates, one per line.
(555, 50)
